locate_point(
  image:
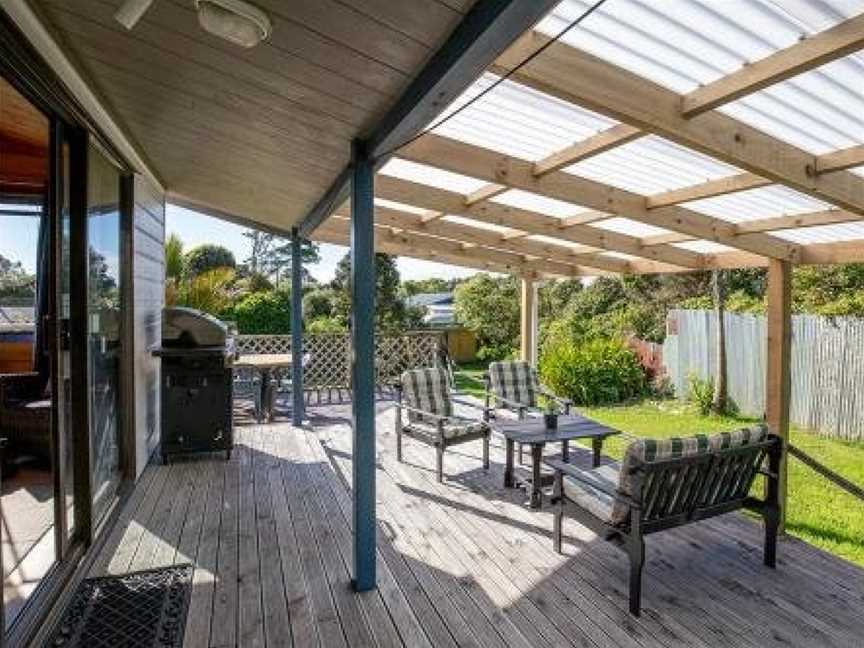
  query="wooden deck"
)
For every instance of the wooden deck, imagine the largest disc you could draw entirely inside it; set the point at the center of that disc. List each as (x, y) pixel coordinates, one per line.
(463, 563)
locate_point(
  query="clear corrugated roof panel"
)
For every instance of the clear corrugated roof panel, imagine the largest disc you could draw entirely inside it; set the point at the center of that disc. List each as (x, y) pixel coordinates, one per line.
(681, 44)
(627, 226)
(537, 203)
(651, 165)
(704, 247)
(431, 176)
(519, 121)
(392, 204)
(480, 225)
(753, 204)
(824, 234)
(555, 241)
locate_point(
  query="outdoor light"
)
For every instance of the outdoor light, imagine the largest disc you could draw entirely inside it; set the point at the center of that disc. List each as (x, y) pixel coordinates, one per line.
(234, 20)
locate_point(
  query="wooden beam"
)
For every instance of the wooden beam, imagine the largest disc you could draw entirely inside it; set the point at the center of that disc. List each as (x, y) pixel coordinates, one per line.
(583, 218)
(595, 145)
(409, 243)
(485, 193)
(771, 224)
(471, 235)
(419, 195)
(834, 43)
(778, 382)
(528, 321)
(710, 189)
(847, 158)
(581, 78)
(451, 155)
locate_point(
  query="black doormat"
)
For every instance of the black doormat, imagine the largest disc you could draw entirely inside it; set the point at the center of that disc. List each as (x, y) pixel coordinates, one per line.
(145, 609)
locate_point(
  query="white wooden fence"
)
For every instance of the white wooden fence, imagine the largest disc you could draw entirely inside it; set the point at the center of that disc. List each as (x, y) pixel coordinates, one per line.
(827, 365)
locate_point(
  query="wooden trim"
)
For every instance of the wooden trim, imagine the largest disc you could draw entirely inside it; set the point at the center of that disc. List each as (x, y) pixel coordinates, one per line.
(603, 141)
(778, 382)
(128, 404)
(485, 193)
(847, 158)
(575, 75)
(710, 189)
(527, 321)
(466, 159)
(819, 49)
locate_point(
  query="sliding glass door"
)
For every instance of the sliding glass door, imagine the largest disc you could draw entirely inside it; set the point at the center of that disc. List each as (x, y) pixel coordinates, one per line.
(104, 327)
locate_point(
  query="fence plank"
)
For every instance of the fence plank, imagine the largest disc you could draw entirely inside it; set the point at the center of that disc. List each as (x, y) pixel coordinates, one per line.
(827, 366)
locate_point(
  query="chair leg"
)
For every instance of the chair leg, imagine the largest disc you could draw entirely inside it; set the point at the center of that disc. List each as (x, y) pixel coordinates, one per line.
(399, 444)
(636, 549)
(772, 524)
(486, 452)
(558, 516)
(521, 458)
(440, 451)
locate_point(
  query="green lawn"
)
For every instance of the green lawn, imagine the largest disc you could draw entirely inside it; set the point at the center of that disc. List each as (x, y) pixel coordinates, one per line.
(819, 513)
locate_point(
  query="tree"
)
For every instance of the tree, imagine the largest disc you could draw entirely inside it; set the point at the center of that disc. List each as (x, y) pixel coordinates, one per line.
(422, 286)
(15, 282)
(720, 402)
(555, 295)
(389, 305)
(204, 258)
(489, 306)
(319, 303)
(270, 255)
(173, 257)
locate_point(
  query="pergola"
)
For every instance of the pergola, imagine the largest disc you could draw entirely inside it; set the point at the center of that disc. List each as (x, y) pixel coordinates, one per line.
(652, 138)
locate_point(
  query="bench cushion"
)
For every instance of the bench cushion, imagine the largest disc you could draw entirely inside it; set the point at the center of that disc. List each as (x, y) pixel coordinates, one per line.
(453, 428)
(591, 499)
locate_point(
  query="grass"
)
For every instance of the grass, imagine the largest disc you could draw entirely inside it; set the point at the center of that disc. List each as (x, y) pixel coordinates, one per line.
(819, 513)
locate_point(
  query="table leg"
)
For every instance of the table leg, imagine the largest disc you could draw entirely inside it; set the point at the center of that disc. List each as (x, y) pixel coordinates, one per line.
(565, 451)
(267, 395)
(597, 446)
(508, 468)
(536, 459)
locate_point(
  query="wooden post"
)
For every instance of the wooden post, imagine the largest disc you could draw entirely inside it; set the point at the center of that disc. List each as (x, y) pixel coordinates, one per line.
(296, 329)
(363, 364)
(778, 383)
(528, 322)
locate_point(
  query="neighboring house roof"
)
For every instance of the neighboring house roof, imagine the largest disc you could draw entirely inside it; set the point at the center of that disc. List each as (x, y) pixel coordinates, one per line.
(17, 315)
(439, 315)
(430, 299)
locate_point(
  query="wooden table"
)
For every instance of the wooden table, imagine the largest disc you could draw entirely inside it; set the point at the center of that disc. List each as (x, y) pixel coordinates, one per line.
(265, 364)
(533, 432)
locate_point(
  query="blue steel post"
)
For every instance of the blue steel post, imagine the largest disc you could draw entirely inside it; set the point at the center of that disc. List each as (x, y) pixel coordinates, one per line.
(363, 364)
(296, 329)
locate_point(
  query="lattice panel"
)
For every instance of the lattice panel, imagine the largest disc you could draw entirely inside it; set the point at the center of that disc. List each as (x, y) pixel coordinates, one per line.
(329, 364)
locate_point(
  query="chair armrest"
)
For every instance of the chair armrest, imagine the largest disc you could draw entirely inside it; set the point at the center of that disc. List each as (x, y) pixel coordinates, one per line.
(571, 471)
(453, 399)
(434, 417)
(510, 403)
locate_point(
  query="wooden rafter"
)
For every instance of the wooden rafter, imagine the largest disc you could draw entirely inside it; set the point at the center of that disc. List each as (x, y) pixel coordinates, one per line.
(419, 195)
(841, 160)
(485, 193)
(771, 224)
(710, 189)
(486, 238)
(413, 244)
(581, 78)
(837, 42)
(610, 138)
(477, 162)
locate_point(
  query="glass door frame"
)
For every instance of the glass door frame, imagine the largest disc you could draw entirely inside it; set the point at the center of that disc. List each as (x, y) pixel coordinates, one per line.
(22, 66)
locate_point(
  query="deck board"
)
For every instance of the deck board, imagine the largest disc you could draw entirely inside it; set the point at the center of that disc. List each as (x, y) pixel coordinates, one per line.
(461, 563)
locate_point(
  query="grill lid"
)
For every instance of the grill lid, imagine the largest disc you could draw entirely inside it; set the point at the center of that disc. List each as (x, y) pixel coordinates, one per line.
(189, 328)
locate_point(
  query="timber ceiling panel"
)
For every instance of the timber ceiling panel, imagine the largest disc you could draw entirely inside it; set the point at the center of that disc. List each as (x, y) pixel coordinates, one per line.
(263, 132)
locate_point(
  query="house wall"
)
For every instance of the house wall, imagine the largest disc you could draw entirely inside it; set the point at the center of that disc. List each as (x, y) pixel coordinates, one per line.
(149, 294)
(461, 345)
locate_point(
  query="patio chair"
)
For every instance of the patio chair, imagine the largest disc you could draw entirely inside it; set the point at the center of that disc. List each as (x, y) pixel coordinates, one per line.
(247, 387)
(513, 385)
(25, 415)
(424, 395)
(662, 484)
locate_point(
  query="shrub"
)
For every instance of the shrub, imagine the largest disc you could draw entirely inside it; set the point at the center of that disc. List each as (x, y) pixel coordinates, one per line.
(319, 303)
(325, 325)
(263, 313)
(494, 352)
(593, 371)
(701, 392)
(207, 257)
(210, 291)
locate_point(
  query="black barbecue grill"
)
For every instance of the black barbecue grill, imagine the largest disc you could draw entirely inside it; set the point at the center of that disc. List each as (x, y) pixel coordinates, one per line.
(197, 353)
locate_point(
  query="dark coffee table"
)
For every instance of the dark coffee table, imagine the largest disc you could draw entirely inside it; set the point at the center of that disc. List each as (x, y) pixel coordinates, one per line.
(533, 432)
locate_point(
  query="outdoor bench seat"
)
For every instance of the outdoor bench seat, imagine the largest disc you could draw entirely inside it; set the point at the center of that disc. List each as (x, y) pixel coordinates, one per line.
(661, 484)
(424, 396)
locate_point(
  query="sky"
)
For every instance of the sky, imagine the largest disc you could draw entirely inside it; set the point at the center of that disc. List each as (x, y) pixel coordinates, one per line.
(19, 236)
(195, 228)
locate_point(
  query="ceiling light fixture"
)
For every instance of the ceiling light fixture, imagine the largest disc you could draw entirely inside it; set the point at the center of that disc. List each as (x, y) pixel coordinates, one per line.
(236, 21)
